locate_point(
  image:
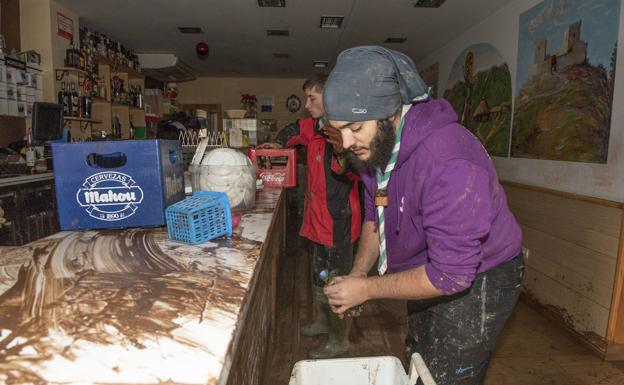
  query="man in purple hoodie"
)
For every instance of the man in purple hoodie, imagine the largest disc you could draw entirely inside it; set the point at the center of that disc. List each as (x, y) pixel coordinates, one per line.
(436, 217)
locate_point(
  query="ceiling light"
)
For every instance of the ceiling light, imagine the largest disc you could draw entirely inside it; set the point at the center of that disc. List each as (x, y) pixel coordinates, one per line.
(278, 32)
(331, 22)
(190, 29)
(429, 3)
(272, 3)
(320, 63)
(395, 40)
(280, 55)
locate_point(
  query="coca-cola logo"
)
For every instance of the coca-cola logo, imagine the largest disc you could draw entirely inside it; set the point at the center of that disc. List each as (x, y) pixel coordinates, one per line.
(274, 177)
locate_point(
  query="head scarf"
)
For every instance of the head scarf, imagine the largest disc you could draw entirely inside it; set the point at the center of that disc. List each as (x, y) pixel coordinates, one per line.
(370, 83)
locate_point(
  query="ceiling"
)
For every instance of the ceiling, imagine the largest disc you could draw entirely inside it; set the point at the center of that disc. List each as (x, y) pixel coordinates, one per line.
(235, 30)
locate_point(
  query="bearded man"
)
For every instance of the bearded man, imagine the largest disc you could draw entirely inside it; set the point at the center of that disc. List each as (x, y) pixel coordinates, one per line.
(436, 216)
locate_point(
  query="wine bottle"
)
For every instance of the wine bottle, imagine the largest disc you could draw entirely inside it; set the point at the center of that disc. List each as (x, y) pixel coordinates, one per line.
(75, 101)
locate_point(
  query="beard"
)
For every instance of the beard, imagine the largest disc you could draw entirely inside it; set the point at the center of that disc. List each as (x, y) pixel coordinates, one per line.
(380, 149)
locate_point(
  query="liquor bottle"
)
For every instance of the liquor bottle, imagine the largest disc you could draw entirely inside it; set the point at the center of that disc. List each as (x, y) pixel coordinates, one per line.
(81, 111)
(87, 107)
(131, 128)
(117, 127)
(61, 96)
(75, 101)
(139, 98)
(65, 100)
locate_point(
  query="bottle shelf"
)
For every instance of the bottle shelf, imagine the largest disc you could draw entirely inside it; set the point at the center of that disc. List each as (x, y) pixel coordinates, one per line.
(98, 100)
(73, 69)
(62, 72)
(76, 119)
(132, 74)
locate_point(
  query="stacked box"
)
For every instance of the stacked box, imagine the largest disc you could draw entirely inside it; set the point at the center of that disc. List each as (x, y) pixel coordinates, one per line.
(4, 106)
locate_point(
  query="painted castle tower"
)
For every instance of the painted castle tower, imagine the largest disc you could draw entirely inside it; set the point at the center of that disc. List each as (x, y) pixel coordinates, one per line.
(573, 51)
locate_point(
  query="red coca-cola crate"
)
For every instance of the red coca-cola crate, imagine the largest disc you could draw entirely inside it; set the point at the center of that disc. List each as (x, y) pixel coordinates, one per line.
(277, 175)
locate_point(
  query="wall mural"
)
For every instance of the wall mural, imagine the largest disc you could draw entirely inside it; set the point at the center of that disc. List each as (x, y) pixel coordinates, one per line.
(479, 89)
(567, 52)
(430, 76)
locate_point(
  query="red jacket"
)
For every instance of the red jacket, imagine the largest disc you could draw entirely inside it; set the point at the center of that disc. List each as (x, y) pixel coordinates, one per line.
(332, 213)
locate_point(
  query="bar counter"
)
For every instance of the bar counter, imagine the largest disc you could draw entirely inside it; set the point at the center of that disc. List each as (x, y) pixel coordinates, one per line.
(130, 306)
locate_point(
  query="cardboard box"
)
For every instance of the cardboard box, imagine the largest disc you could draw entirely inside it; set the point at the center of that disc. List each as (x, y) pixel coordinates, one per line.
(12, 110)
(3, 90)
(117, 184)
(4, 107)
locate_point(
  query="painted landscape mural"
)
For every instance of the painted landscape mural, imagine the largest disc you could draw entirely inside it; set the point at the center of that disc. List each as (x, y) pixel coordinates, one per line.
(430, 76)
(567, 54)
(479, 89)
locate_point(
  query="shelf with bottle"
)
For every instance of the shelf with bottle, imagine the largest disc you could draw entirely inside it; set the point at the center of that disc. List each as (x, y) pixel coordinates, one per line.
(75, 104)
(108, 51)
(75, 119)
(118, 68)
(62, 72)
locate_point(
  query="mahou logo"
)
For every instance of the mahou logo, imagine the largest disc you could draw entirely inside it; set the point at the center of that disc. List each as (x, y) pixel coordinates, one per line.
(110, 196)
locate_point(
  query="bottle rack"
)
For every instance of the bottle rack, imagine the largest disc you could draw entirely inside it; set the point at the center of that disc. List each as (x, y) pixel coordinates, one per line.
(105, 109)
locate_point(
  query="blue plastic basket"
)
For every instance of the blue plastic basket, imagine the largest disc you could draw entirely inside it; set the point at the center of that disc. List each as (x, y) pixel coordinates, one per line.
(200, 218)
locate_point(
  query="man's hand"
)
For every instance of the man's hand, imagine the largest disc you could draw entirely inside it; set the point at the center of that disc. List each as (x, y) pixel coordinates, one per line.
(334, 138)
(346, 292)
(269, 145)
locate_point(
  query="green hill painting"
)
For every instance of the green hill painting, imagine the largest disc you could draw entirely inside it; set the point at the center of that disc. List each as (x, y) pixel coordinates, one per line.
(566, 70)
(430, 76)
(479, 89)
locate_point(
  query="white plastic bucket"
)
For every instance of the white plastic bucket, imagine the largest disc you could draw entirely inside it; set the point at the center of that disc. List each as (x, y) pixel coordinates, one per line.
(383, 370)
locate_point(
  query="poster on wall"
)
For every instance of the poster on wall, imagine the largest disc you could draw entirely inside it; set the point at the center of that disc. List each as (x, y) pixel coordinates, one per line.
(65, 26)
(430, 76)
(567, 52)
(479, 89)
(266, 103)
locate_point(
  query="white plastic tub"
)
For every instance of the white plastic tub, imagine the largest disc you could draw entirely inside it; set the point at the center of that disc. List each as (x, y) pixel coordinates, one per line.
(384, 370)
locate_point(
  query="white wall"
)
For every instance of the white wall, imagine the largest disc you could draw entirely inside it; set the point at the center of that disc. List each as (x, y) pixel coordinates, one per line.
(597, 180)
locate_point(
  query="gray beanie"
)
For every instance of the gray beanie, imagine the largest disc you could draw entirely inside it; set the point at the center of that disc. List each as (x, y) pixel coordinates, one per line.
(370, 83)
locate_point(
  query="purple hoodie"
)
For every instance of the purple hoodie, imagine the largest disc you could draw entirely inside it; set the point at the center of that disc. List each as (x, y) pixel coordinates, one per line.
(446, 208)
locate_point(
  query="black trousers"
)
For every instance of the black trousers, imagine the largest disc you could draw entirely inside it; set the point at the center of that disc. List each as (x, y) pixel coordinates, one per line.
(456, 334)
(327, 261)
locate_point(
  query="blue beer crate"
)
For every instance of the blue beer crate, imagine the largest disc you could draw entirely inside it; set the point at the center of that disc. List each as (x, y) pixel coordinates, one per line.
(204, 216)
(116, 184)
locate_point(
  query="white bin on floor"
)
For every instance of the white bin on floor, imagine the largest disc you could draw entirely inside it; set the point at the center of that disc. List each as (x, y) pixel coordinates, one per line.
(384, 370)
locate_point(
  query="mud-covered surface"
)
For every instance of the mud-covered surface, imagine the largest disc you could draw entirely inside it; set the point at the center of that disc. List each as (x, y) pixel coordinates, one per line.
(126, 306)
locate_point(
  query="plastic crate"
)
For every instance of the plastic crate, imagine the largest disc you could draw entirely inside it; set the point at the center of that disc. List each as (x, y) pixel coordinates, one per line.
(277, 176)
(200, 218)
(383, 370)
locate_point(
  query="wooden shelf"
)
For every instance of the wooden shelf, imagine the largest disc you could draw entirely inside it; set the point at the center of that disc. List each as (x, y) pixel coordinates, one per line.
(117, 68)
(62, 72)
(73, 69)
(104, 110)
(73, 118)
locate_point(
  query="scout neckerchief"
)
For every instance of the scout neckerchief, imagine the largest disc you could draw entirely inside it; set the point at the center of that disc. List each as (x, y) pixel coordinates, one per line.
(381, 195)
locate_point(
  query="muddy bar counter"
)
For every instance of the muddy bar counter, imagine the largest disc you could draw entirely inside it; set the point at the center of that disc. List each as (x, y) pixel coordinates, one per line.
(130, 306)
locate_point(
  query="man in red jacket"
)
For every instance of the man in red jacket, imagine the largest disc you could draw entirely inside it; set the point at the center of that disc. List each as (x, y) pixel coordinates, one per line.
(332, 213)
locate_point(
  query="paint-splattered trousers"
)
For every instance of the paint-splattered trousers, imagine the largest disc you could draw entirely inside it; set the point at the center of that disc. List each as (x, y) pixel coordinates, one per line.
(456, 334)
(327, 261)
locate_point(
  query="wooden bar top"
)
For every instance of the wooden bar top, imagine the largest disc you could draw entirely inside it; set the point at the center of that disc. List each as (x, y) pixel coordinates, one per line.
(128, 306)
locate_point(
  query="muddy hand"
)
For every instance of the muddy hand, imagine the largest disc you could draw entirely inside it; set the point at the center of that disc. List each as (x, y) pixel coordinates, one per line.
(346, 294)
